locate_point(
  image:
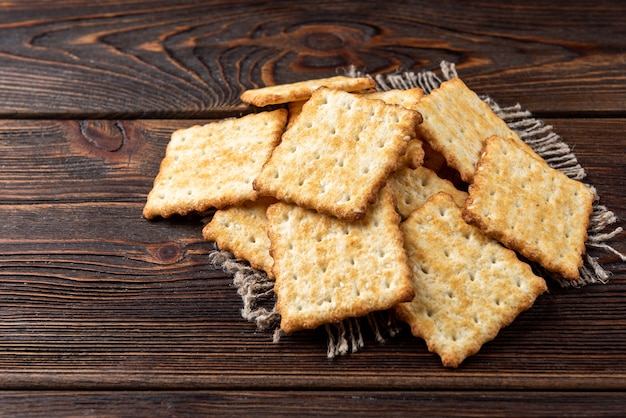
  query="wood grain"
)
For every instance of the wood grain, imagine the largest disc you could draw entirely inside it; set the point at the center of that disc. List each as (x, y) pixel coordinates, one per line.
(155, 59)
(94, 296)
(312, 403)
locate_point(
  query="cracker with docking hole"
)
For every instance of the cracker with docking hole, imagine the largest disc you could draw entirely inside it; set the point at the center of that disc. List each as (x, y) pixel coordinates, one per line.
(467, 285)
(214, 165)
(530, 207)
(242, 230)
(302, 90)
(412, 188)
(327, 269)
(414, 156)
(457, 123)
(338, 153)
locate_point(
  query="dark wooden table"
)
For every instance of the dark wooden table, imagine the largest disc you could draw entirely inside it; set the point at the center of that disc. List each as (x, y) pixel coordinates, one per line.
(105, 313)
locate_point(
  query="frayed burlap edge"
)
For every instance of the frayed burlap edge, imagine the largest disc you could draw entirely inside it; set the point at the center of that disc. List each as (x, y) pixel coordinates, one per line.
(257, 290)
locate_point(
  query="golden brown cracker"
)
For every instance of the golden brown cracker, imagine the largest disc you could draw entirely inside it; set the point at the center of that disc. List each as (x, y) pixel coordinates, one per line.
(457, 123)
(214, 165)
(411, 188)
(530, 207)
(413, 156)
(302, 90)
(294, 108)
(467, 285)
(328, 269)
(338, 153)
(242, 230)
(406, 98)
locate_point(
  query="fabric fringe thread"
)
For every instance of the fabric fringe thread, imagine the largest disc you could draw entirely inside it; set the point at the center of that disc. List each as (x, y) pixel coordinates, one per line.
(347, 337)
(257, 290)
(254, 288)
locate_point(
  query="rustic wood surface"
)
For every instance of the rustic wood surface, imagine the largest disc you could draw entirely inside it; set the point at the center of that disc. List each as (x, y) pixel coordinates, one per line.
(105, 313)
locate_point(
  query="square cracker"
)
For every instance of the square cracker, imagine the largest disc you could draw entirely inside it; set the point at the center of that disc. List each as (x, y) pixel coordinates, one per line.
(467, 285)
(411, 188)
(302, 90)
(328, 270)
(242, 230)
(457, 123)
(337, 154)
(530, 207)
(414, 155)
(213, 166)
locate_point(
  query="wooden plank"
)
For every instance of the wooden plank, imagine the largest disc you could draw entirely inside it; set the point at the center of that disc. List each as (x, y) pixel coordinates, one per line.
(94, 296)
(155, 59)
(312, 403)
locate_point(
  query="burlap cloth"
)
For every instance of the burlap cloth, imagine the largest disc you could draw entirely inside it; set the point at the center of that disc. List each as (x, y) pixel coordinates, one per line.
(257, 291)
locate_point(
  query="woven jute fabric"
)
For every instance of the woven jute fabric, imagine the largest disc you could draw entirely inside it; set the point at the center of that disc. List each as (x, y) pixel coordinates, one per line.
(257, 290)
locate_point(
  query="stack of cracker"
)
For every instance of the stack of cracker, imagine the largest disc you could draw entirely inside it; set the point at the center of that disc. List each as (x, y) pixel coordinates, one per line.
(356, 201)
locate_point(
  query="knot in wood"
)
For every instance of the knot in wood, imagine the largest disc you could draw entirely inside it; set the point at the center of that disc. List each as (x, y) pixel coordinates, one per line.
(329, 46)
(168, 253)
(105, 135)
